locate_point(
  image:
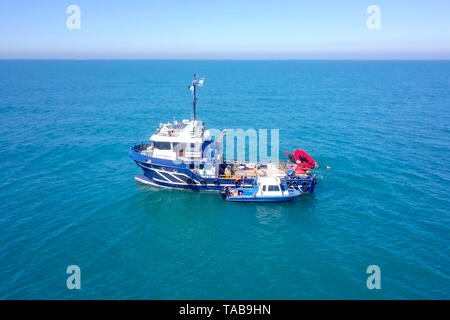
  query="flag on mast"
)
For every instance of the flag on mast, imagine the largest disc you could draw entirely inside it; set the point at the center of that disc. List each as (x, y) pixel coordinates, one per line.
(196, 82)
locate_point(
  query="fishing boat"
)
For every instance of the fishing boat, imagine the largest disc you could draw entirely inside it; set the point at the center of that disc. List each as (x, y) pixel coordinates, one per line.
(266, 189)
(185, 155)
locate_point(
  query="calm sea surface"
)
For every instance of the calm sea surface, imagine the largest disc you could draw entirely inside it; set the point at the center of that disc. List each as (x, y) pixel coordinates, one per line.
(68, 195)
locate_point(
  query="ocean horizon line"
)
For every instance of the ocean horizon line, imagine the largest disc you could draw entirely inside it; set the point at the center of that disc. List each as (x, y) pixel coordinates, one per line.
(226, 59)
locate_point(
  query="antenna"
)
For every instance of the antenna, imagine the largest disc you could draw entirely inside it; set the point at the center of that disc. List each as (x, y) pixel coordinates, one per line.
(193, 87)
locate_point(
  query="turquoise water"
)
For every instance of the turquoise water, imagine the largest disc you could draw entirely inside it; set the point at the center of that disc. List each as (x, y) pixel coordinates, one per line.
(68, 195)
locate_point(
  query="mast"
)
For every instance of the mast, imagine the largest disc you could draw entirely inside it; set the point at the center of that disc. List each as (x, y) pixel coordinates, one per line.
(193, 87)
(194, 103)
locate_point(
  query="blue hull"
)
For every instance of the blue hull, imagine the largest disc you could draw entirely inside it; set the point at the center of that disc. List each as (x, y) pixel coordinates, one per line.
(168, 174)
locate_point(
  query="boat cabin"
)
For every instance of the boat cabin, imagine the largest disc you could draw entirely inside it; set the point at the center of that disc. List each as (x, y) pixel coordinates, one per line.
(270, 186)
(185, 142)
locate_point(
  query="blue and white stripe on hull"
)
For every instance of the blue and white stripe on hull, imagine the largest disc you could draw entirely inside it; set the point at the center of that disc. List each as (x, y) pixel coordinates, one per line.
(144, 180)
(184, 186)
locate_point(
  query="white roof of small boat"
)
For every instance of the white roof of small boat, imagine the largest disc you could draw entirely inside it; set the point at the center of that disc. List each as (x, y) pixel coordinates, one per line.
(269, 180)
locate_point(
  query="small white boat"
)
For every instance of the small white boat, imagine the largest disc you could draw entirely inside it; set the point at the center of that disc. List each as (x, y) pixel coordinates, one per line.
(267, 189)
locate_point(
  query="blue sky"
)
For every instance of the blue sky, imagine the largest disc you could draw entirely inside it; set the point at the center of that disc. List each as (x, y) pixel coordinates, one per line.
(228, 29)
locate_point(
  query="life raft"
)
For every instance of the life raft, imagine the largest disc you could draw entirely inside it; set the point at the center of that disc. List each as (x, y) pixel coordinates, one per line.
(304, 158)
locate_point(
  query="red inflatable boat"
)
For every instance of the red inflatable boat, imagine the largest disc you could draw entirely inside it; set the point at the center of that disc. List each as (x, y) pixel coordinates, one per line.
(303, 160)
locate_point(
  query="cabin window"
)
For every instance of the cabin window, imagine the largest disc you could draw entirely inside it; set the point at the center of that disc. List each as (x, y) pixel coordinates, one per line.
(191, 166)
(201, 166)
(264, 188)
(274, 188)
(162, 145)
(193, 147)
